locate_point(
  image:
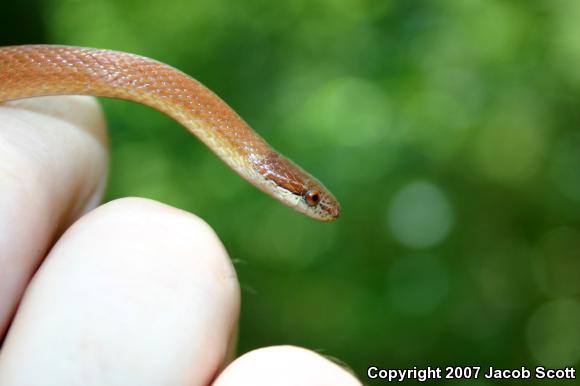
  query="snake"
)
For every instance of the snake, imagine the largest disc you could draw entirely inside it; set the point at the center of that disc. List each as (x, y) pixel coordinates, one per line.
(42, 70)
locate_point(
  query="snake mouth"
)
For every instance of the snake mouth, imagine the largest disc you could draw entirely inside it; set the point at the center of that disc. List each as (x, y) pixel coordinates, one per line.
(332, 211)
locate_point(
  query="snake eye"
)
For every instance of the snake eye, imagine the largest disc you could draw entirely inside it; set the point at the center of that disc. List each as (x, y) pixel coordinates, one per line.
(312, 197)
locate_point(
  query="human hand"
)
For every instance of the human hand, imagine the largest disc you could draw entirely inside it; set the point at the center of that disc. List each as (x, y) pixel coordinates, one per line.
(133, 293)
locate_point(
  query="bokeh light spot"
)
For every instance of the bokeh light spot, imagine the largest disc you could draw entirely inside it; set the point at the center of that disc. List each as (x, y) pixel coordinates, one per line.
(347, 112)
(565, 38)
(553, 335)
(420, 215)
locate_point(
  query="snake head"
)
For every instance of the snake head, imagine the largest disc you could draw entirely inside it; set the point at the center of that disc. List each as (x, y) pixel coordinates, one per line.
(294, 187)
(320, 203)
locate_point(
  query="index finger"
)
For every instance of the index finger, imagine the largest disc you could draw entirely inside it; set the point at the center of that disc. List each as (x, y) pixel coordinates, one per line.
(53, 164)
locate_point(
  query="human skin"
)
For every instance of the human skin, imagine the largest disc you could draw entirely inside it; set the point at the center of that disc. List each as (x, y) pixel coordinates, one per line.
(132, 292)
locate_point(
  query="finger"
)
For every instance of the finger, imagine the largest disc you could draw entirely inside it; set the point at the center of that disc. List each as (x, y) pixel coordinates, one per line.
(284, 366)
(53, 163)
(134, 293)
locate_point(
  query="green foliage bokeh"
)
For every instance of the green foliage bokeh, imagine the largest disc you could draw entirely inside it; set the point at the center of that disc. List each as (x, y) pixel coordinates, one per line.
(448, 130)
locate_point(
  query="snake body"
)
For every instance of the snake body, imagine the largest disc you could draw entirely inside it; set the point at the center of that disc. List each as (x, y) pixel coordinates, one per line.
(41, 70)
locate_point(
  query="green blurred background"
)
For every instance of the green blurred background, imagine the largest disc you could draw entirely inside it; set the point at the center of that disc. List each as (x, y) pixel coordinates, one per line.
(448, 130)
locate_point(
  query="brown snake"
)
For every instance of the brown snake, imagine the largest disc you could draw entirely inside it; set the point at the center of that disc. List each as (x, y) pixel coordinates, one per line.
(40, 70)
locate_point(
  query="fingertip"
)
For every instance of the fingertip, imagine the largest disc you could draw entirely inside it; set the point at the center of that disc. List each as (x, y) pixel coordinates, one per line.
(53, 167)
(284, 365)
(171, 227)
